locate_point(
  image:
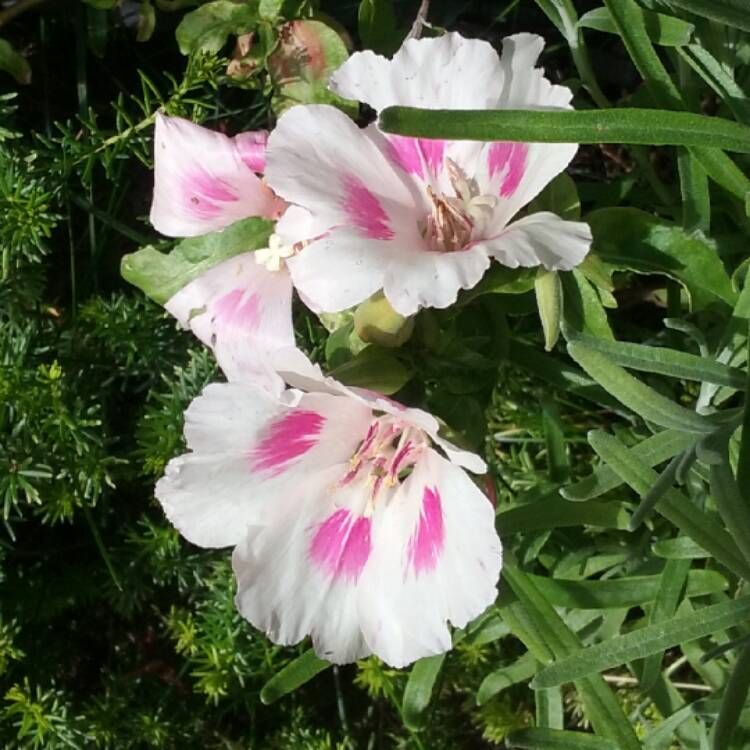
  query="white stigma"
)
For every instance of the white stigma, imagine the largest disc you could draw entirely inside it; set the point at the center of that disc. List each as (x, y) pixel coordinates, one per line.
(273, 256)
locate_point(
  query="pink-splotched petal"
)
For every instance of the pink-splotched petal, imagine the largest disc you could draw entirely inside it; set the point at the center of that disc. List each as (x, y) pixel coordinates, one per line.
(422, 157)
(242, 311)
(251, 147)
(202, 183)
(320, 160)
(298, 575)
(447, 72)
(436, 559)
(298, 225)
(541, 239)
(248, 450)
(416, 279)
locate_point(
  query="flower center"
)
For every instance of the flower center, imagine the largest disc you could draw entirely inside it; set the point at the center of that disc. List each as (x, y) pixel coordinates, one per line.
(390, 449)
(452, 220)
(273, 256)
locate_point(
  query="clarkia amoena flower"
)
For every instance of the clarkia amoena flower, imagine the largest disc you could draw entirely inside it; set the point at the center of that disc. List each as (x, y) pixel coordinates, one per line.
(422, 218)
(204, 181)
(353, 521)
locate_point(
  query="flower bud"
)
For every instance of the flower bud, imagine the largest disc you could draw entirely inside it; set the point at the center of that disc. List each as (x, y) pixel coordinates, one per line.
(376, 322)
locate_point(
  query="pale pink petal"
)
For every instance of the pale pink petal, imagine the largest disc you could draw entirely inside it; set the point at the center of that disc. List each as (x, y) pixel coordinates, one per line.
(251, 147)
(436, 559)
(201, 181)
(298, 575)
(432, 279)
(320, 160)
(541, 239)
(249, 451)
(447, 72)
(242, 311)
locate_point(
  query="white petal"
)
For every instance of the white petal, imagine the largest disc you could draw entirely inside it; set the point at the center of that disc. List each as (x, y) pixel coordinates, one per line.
(242, 311)
(436, 559)
(299, 225)
(249, 451)
(447, 72)
(320, 160)
(422, 278)
(541, 239)
(460, 457)
(201, 183)
(297, 576)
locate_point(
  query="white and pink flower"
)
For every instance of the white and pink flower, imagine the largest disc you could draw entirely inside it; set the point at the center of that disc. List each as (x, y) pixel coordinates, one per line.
(353, 521)
(203, 182)
(420, 218)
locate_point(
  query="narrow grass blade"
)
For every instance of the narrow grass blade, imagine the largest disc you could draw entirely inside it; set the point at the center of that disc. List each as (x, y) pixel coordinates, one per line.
(733, 702)
(292, 676)
(555, 739)
(418, 690)
(519, 671)
(733, 507)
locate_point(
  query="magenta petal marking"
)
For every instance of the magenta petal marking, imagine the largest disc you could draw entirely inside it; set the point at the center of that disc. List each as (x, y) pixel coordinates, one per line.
(203, 192)
(364, 210)
(233, 309)
(341, 545)
(286, 439)
(404, 151)
(426, 544)
(433, 151)
(510, 158)
(252, 149)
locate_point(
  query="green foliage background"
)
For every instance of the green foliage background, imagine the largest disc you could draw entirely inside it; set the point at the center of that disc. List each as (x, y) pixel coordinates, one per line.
(115, 633)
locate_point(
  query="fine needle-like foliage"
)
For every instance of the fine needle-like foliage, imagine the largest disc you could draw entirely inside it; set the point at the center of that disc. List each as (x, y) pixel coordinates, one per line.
(610, 401)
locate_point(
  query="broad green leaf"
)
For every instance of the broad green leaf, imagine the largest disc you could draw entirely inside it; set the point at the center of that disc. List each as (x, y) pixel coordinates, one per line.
(519, 671)
(670, 362)
(673, 580)
(554, 512)
(732, 13)
(557, 739)
(307, 54)
(652, 451)
(673, 505)
(377, 26)
(648, 126)
(631, 239)
(642, 642)
(548, 290)
(14, 63)
(637, 396)
(560, 197)
(549, 708)
(667, 31)
(718, 77)
(207, 28)
(621, 592)
(500, 280)
(292, 676)
(418, 690)
(733, 702)
(375, 369)
(582, 307)
(681, 548)
(161, 275)
(146, 21)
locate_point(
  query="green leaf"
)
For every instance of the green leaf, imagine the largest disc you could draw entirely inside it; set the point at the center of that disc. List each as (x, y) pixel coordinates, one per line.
(681, 548)
(734, 509)
(548, 290)
(207, 28)
(557, 739)
(652, 451)
(582, 307)
(14, 63)
(377, 26)
(418, 690)
(300, 66)
(621, 592)
(292, 676)
(674, 364)
(146, 21)
(633, 240)
(560, 197)
(733, 702)
(672, 505)
(162, 275)
(731, 13)
(637, 396)
(648, 126)
(376, 369)
(501, 280)
(553, 513)
(558, 465)
(644, 641)
(667, 31)
(519, 671)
